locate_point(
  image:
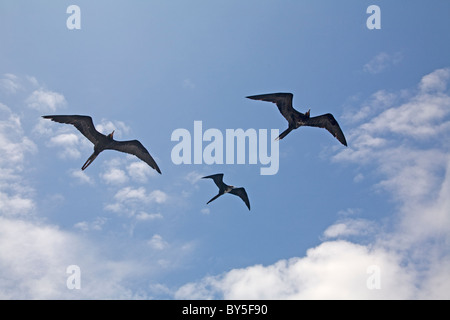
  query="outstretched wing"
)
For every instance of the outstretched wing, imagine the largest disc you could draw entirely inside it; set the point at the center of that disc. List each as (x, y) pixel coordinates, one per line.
(218, 179)
(328, 122)
(240, 192)
(136, 148)
(83, 123)
(282, 100)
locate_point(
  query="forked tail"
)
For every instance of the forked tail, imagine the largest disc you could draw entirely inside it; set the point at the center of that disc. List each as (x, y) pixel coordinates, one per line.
(214, 198)
(89, 161)
(284, 133)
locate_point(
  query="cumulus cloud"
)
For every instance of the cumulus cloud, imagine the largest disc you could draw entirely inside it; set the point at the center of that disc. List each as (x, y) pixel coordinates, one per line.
(10, 83)
(81, 176)
(15, 146)
(114, 176)
(67, 144)
(377, 102)
(405, 257)
(34, 265)
(382, 61)
(144, 216)
(15, 204)
(95, 225)
(349, 227)
(435, 81)
(130, 201)
(332, 270)
(157, 242)
(139, 171)
(193, 177)
(45, 100)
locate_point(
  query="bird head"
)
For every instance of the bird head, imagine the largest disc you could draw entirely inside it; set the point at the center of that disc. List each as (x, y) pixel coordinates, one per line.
(308, 113)
(111, 135)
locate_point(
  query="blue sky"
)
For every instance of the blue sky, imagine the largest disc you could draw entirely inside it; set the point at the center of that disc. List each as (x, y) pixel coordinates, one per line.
(316, 230)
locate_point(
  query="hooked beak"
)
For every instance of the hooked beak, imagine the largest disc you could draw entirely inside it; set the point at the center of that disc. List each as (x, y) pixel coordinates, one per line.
(111, 135)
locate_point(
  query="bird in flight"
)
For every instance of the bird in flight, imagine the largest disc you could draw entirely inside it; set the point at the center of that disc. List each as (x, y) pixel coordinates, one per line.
(297, 119)
(223, 188)
(104, 142)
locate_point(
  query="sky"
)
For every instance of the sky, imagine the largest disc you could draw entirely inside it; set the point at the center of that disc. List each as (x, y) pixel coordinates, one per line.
(367, 221)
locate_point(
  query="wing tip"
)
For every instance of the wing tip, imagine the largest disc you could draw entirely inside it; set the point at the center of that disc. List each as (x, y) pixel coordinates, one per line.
(212, 176)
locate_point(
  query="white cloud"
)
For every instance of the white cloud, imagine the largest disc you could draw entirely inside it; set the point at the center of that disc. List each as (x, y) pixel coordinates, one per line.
(193, 177)
(15, 204)
(33, 265)
(140, 171)
(349, 227)
(130, 201)
(377, 102)
(435, 81)
(114, 176)
(144, 216)
(157, 242)
(418, 118)
(95, 225)
(132, 194)
(45, 101)
(82, 176)
(15, 146)
(158, 196)
(10, 83)
(382, 61)
(332, 270)
(67, 144)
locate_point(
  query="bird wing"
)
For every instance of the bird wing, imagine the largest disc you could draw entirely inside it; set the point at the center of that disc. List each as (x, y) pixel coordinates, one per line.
(218, 179)
(136, 148)
(240, 192)
(328, 122)
(282, 100)
(83, 123)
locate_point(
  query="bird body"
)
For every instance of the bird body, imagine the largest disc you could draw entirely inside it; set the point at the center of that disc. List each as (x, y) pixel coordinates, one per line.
(104, 142)
(297, 119)
(224, 188)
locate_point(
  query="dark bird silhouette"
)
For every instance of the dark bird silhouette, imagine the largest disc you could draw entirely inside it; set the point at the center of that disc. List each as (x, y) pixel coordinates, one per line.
(297, 119)
(102, 142)
(224, 188)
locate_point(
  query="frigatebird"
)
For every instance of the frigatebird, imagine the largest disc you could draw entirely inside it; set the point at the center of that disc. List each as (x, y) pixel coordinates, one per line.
(297, 119)
(104, 142)
(224, 188)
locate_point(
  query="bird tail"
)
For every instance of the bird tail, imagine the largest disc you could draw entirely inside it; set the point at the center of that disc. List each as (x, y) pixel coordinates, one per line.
(89, 161)
(214, 198)
(284, 133)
